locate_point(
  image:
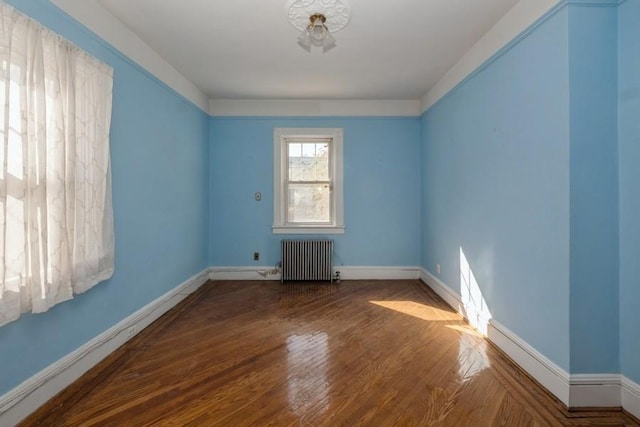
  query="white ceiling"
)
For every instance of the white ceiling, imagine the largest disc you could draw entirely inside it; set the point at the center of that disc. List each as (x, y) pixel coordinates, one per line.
(246, 49)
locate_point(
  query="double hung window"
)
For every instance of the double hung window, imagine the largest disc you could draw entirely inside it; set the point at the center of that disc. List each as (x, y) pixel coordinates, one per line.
(308, 181)
(56, 218)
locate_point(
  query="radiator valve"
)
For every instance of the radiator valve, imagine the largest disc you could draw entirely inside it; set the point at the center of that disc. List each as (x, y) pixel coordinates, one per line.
(336, 278)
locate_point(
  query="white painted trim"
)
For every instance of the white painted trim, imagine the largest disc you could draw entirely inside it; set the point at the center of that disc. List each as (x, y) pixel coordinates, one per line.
(308, 230)
(524, 14)
(631, 397)
(595, 390)
(575, 391)
(281, 176)
(346, 273)
(595, 3)
(512, 25)
(314, 107)
(509, 30)
(598, 390)
(546, 372)
(377, 273)
(551, 376)
(244, 273)
(444, 291)
(18, 403)
(95, 17)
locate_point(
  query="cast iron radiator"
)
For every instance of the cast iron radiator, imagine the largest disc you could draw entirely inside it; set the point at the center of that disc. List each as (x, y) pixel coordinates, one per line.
(307, 260)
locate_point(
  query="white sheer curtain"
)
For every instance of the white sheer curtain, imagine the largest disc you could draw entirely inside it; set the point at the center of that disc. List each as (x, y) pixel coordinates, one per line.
(56, 220)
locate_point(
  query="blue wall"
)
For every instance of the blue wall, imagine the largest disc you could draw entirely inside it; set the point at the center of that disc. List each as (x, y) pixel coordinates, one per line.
(520, 170)
(381, 190)
(159, 146)
(518, 167)
(594, 189)
(495, 183)
(629, 159)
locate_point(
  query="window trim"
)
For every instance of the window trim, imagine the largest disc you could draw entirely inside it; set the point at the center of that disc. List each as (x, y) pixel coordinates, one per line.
(280, 175)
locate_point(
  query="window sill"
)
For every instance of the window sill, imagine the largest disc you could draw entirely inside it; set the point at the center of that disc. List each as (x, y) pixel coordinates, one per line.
(308, 229)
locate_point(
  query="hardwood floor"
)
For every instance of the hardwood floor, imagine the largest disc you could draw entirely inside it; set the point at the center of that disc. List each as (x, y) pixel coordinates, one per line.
(376, 353)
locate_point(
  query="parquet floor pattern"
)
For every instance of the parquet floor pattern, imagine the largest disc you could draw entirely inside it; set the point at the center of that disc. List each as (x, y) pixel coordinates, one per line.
(361, 353)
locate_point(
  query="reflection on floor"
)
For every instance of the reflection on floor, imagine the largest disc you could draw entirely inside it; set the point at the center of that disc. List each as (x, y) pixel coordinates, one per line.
(377, 353)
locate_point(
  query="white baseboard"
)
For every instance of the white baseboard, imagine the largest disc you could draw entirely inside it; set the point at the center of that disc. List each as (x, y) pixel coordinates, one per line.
(243, 273)
(377, 273)
(450, 296)
(631, 397)
(595, 390)
(575, 391)
(346, 273)
(18, 403)
(582, 390)
(546, 372)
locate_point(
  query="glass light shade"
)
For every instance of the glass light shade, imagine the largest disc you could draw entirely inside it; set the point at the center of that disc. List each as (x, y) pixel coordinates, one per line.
(316, 34)
(304, 40)
(329, 42)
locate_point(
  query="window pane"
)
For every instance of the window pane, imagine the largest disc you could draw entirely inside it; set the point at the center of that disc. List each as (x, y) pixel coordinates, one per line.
(309, 203)
(308, 161)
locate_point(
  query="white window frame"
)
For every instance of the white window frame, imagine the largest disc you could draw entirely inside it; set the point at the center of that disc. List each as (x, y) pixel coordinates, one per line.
(280, 176)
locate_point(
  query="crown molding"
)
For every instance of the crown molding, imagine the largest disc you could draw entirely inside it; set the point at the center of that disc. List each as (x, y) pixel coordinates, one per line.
(106, 26)
(510, 29)
(514, 26)
(592, 3)
(97, 19)
(522, 16)
(314, 107)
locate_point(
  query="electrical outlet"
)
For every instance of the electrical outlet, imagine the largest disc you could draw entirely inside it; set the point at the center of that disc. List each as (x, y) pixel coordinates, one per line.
(256, 256)
(131, 331)
(437, 268)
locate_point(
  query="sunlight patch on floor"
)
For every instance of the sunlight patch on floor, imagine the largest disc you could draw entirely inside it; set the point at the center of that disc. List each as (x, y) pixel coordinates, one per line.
(465, 329)
(415, 309)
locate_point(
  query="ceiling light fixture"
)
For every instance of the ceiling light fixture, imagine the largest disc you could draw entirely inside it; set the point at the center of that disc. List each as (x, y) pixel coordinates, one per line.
(316, 34)
(317, 20)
